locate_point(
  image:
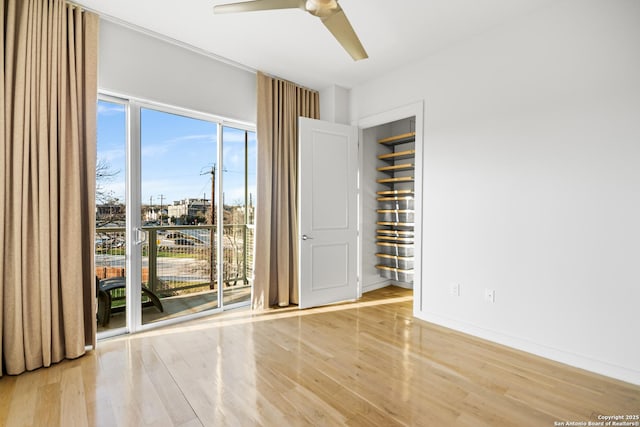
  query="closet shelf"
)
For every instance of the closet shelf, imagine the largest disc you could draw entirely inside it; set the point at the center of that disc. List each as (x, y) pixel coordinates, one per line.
(395, 180)
(395, 199)
(395, 215)
(395, 211)
(400, 249)
(393, 239)
(394, 233)
(395, 273)
(395, 192)
(394, 261)
(396, 168)
(395, 224)
(398, 139)
(397, 155)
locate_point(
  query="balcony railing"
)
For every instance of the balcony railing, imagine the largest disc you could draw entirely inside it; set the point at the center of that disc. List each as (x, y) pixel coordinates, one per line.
(180, 260)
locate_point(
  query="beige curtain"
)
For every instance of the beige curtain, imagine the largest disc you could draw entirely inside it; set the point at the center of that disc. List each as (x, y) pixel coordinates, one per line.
(47, 166)
(280, 103)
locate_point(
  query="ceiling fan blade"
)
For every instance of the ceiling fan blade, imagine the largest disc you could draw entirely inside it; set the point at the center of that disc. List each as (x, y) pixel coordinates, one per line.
(342, 30)
(250, 6)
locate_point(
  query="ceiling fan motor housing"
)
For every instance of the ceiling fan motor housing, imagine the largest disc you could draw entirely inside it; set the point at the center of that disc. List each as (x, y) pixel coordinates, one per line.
(321, 8)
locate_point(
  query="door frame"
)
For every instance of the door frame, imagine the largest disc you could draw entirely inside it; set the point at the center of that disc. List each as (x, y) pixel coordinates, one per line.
(411, 110)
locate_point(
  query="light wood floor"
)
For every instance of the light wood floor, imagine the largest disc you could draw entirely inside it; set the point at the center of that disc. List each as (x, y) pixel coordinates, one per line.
(367, 363)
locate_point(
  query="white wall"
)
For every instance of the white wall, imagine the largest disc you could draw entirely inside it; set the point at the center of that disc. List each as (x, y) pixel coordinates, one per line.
(334, 104)
(532, 181)
(369, 277)
(142, 66)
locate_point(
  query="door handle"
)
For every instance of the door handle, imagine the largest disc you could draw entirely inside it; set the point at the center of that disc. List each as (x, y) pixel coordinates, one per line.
(305, 237)
(141, 236)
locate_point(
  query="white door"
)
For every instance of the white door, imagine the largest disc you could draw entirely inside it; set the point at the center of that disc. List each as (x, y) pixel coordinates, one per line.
(328, 197)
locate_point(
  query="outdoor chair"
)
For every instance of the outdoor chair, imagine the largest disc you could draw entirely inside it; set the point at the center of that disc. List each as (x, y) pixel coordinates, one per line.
(105, 290)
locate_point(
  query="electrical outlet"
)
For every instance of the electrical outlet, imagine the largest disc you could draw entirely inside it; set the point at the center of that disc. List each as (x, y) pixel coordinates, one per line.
(455, 289)
(490, 295)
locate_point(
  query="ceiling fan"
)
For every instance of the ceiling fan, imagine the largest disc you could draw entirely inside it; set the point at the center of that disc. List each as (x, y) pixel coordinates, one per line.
(329, 11)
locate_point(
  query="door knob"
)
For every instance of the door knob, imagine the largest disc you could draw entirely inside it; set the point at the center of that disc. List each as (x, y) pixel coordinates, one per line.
(305, 237)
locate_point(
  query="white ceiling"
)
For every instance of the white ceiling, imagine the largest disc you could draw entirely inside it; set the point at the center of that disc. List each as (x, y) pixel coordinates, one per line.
(296, 46)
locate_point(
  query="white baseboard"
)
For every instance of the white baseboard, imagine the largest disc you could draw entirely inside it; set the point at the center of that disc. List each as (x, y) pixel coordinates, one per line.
(404, 285)
(597, 366)
(376, 285)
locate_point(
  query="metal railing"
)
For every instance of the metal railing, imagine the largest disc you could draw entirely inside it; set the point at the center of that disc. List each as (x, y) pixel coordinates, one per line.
(178, 260)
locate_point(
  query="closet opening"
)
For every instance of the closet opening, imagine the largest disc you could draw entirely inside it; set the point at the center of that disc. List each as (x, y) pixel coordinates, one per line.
(391, 200)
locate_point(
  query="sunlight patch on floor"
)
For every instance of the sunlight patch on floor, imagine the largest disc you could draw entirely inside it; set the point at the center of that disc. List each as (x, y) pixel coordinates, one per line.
(248, 316)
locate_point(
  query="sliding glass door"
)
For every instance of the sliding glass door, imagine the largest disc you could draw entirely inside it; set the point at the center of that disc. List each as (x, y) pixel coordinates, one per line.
(177, 213)
(238, 214)
(174, 234)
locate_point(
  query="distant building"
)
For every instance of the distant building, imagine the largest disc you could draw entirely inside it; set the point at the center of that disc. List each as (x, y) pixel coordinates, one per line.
(153, 213)
(189, 207)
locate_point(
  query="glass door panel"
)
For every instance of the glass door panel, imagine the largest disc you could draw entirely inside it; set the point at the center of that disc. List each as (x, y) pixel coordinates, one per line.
(110, 242)
(238, 195)
(178, 215)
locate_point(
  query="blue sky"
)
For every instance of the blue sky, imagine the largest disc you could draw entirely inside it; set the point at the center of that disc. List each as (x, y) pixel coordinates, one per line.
(177, 154)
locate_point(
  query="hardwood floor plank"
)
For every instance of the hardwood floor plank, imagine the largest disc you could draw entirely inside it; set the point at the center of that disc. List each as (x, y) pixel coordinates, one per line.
(47, 410)
(171, 397)
(7, 386)
(72, 397)
(312, 408)
(24, 398)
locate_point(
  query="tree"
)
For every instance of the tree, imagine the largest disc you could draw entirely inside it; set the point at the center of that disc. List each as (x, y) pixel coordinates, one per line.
(104, 175)
(110, 209)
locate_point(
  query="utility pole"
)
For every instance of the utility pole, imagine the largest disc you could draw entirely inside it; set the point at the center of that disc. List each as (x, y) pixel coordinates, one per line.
(150, 208)
(213, 195)
(212, 239)
(161, 200)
